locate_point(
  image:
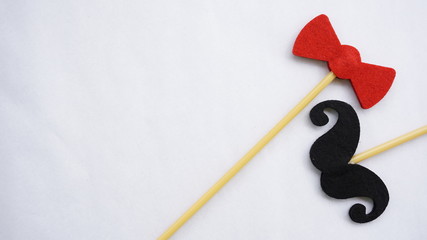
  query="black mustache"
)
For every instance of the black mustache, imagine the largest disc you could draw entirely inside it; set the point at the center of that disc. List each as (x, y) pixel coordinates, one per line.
(331, 153)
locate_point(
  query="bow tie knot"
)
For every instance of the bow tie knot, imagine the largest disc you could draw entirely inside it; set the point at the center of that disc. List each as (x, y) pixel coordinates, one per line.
(346, 62)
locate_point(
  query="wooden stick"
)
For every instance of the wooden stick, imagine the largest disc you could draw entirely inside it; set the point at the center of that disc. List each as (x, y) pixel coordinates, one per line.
(245, 159)
(387, 145)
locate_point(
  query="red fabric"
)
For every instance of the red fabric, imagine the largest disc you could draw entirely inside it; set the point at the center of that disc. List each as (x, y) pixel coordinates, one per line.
(318, 40)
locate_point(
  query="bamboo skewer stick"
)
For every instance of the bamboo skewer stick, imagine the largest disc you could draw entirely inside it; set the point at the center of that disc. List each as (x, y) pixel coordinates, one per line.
(246, 158)
(387, 145)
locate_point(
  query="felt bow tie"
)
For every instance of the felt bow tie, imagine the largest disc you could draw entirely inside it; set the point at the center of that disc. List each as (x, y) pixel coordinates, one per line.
(318, 40)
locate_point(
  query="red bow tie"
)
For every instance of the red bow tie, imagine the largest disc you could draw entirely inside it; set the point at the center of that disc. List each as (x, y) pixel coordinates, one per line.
(318, 40)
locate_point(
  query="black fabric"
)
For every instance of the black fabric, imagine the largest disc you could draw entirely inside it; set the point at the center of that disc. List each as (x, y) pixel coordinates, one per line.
(331, 153)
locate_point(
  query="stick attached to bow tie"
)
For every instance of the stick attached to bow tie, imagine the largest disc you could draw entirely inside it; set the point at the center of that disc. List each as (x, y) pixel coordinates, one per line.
(316, 40)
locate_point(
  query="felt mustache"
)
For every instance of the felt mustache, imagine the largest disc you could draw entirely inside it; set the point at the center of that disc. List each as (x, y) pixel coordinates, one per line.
(318, 40)
(331, 154)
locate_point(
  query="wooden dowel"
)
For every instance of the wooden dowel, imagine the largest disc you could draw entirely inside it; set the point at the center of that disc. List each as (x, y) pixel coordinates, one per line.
(246, 158)
(387, 145)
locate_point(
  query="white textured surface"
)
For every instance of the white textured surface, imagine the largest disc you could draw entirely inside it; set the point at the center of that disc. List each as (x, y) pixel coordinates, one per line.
(117, 115)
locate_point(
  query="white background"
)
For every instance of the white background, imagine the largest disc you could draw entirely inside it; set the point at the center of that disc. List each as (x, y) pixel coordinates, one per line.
(115, 116)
